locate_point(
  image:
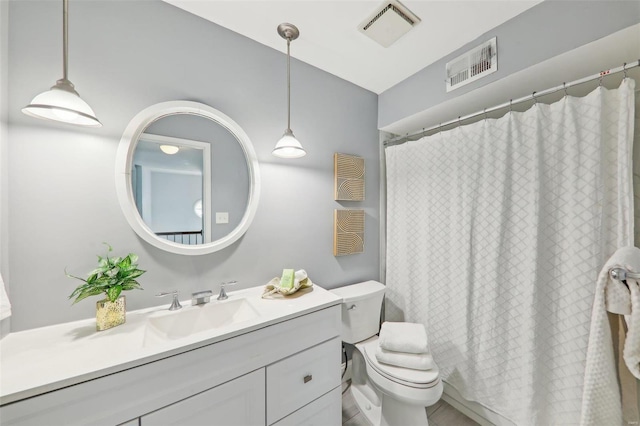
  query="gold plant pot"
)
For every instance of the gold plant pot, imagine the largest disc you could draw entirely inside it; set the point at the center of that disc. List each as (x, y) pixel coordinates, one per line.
(110, 314)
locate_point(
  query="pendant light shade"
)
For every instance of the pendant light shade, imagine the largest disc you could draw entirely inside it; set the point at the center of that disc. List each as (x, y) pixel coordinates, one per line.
(169, 149)
(62, 102)
(288, 146)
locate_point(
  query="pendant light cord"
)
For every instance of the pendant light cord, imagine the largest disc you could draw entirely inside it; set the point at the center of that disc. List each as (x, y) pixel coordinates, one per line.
(288, 83)
(65, 39)
(62, 102)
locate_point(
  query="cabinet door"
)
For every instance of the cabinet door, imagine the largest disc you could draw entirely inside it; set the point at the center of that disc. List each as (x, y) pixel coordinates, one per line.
(324, 411)
(239, 402)
(299, 379)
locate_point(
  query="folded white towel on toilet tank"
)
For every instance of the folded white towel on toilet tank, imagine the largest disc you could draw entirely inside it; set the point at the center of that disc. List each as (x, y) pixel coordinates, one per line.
(405, 337)
(403, 359)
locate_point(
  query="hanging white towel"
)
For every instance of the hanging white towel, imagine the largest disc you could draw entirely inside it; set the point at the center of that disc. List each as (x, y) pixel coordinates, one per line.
(406, 360)
(403, 337)
(601, 394)
(632, 344)
(625, 300)
(5, 305)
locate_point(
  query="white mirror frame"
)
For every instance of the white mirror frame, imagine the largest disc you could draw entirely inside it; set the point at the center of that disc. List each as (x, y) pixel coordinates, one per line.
(124, 162)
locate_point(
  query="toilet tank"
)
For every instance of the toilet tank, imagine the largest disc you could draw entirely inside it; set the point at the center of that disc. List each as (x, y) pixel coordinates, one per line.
(361, 305)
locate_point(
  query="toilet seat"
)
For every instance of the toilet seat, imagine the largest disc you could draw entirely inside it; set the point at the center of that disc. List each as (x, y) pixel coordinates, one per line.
(419, 379)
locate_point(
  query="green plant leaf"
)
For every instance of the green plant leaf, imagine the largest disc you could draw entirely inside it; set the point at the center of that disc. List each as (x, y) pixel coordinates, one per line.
(131, 285)
(84, 294)
(73, 276)
(125, 263)
(111, 277)
(135, 273)
(92, 278)
(114, 292)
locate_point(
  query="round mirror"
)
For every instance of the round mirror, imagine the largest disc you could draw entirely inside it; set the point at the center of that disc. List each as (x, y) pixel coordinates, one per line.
(187, 177)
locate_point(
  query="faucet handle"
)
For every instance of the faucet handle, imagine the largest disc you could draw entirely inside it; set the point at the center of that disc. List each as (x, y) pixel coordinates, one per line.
(223, 294)
(175, 304)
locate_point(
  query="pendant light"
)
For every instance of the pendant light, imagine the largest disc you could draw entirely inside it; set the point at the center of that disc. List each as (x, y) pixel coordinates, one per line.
(288, 146)
(62, 102)
(169, 149)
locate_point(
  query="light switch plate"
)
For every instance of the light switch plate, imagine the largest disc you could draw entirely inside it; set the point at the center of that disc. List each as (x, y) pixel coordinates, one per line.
(222, 217)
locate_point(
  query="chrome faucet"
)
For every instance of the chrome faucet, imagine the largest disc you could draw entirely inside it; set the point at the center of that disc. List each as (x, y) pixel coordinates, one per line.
(201, 297)
(175, 304)
(223, 294)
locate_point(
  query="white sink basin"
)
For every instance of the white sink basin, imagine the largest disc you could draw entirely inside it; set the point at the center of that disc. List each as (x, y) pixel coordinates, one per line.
(195, 319)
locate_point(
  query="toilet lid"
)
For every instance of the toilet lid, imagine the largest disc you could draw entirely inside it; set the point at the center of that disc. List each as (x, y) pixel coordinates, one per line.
(407, 376)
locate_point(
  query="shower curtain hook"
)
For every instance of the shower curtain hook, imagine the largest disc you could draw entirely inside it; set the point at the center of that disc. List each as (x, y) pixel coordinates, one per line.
(485, 114)
(535, 100)
(510, 106)
(459, 121)
(564, 86)
(624, 69)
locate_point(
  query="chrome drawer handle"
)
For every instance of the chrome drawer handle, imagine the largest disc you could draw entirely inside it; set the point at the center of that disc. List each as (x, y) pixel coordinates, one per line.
(351, 308)
(308, 378)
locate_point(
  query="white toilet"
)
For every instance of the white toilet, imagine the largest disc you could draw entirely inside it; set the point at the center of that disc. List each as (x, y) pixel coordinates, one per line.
(385, 394)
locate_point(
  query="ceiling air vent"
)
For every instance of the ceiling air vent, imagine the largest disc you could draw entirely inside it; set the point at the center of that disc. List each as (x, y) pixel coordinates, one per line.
(388, 23)
(475, 64)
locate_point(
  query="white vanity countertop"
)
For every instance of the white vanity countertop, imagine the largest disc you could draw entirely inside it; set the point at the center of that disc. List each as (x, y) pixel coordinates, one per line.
(41, 360)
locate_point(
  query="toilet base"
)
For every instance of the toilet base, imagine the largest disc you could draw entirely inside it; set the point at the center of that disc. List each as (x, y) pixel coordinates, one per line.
(396, 413)
(389, 411)
(368, 409)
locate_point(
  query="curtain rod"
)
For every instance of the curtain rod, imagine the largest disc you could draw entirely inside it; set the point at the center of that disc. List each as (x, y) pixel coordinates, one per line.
(397, 140)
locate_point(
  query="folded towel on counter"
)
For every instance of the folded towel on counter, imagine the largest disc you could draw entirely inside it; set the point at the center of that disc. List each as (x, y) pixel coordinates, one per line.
(300, 281)
(406, 360)
(403, 337)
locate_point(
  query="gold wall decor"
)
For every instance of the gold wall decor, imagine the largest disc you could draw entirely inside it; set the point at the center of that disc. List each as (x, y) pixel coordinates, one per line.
(349, 177)
(348, 232)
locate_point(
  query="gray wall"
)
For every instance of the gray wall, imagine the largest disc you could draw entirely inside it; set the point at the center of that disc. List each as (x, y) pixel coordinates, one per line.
(542, 32)
(125, 56)
(173, 196)
(4, 204)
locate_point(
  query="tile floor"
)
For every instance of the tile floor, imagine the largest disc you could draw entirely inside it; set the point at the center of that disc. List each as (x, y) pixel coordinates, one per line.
(440, 414)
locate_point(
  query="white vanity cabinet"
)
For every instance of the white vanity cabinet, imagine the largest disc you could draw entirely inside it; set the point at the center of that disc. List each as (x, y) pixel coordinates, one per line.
(326, 410)
(303, 377)
(286, 372)
(239, 402)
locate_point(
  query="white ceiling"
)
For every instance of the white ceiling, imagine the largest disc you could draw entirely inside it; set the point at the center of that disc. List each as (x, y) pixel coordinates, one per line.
(329, 38)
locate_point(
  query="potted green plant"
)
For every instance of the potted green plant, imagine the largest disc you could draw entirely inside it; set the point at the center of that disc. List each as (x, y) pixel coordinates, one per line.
(112, 276)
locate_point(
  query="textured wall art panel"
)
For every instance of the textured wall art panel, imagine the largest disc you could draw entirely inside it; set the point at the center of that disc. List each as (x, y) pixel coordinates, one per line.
(349, 177)
(348, 232)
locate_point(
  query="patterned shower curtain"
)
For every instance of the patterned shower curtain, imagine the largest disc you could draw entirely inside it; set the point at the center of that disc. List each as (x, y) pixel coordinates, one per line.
(496, 232)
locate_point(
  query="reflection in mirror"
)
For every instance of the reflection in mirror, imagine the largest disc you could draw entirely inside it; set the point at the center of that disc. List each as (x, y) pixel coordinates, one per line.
(168, 177)
(183, 159)
(187, 177)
